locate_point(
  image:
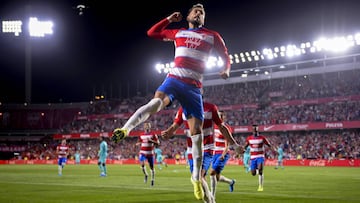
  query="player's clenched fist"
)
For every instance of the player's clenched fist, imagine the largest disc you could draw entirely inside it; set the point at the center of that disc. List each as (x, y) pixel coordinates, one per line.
(175, 17)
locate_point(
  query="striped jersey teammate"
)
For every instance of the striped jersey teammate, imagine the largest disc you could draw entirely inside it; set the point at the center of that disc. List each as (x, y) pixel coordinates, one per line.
(221, 156)
(211, 117)
(147, 142)
(62, 150)
(193, 47)
(257, 144)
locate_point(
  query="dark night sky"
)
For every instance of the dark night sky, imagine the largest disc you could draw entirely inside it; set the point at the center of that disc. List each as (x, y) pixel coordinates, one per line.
(107, 48)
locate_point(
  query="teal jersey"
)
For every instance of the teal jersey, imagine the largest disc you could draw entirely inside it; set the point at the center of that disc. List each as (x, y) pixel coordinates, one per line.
(158, 154)
(77, 157)
(280, 152)
(247, 152)
(103, 150)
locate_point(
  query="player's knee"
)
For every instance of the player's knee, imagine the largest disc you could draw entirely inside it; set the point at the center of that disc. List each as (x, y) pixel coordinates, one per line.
(156, 104)
(99, 163)
(103, 164)
(196, 130)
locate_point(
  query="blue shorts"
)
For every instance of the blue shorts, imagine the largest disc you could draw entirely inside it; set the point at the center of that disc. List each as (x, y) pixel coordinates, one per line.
(254, 163)
(219, 164)
(191, 165)
(207, 158)
(61, 161)
(189, 96)
(150, 160)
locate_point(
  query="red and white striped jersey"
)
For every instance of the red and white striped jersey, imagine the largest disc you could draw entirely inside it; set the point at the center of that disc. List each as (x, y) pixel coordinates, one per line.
(192, 49)
(211, 117)
(257, 145)
(147, 147)
(219, 140)
(62, 150)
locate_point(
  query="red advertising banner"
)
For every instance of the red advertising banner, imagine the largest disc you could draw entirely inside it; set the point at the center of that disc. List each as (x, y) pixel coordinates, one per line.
(300, 127)
(236, 129)
(268, 162)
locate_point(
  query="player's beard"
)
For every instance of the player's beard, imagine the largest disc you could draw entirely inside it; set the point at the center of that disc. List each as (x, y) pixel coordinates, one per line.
(196, 22)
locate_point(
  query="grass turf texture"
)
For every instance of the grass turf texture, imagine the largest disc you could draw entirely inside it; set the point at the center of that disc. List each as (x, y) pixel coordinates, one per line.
(125, 183)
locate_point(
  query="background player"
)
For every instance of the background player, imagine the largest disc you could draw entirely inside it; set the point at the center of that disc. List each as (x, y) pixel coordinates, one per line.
(160, 159)
(257, 144)
(211, 118)
(246, 159)
(147, 142)
(102, 154)
(62, 150)
(280, 152)
(220, 158)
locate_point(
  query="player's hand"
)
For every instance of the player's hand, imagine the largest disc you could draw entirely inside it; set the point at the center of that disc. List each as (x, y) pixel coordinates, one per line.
(239, 149)
(166, 134)
(175, 17)
(225, 74)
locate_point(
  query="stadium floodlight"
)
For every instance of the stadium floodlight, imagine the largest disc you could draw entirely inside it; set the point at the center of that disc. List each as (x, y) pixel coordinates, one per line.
(39, 28)
(12, 26)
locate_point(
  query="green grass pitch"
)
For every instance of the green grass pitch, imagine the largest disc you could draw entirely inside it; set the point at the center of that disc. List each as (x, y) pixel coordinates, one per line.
(124, 183)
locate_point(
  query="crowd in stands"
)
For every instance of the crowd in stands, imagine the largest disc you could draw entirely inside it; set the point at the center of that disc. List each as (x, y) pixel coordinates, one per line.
(254, 104)
(257, 98)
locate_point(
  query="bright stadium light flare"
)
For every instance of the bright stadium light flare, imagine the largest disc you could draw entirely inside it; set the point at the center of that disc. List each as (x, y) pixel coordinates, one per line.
(336, 45)
(13, 26)
(39, 28)
(357, 38)
(211, 62)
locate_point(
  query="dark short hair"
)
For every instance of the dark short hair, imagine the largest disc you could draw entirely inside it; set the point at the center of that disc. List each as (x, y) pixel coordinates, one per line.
(198, 5)
(255, 125)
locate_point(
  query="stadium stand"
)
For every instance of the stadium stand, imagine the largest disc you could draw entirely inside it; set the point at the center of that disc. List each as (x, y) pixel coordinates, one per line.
(314, 111)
